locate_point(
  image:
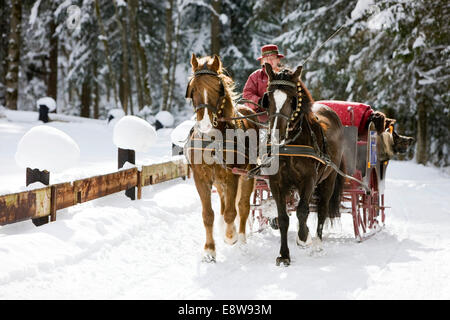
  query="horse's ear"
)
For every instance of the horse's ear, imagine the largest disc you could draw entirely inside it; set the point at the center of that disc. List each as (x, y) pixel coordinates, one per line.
(217, 64)
(194, 62)
(297, 73)
(269, 70)
(379, 120)
(389, 122)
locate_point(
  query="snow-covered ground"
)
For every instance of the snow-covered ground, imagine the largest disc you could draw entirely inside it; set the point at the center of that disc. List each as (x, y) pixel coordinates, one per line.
(115, 248)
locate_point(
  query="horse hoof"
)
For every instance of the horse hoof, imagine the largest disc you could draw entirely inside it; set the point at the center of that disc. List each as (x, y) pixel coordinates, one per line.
(242, 239)
(285, 261)
(304, 244)
(317, 245)
(274, 223)
(209, 256)
(231, 241)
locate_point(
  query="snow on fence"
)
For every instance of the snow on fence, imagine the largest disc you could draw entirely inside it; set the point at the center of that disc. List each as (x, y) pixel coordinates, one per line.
(44, 202)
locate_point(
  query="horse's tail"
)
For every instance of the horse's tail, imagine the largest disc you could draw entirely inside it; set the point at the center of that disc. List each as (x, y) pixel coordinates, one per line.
(336, 197)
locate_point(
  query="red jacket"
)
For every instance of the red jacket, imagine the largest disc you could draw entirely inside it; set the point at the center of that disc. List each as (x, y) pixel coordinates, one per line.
(254, 89)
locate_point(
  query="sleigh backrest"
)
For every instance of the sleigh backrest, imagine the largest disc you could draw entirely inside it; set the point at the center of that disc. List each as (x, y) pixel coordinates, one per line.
(357, 117)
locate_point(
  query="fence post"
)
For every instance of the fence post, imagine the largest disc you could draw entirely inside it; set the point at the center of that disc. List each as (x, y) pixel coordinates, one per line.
(127, 155)
(36, 175)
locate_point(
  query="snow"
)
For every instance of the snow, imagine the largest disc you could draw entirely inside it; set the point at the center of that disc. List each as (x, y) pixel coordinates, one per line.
(21, 116)
(165, 117)
(116, 113)
(134, 133)
(47, 148)
(361, 7)
(380, 20)
(419, 42)
(34, 12)
(49, 102)
(115, 248)
(181, 132)
(121, 3)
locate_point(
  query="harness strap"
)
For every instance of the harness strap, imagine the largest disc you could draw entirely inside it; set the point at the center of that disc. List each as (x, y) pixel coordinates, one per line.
(211, 145)
(297, 151)
(283, 83)
(243, 117)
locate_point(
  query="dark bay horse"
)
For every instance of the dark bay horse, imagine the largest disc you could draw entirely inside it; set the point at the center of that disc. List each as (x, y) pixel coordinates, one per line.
(212, 94)
(289, 105)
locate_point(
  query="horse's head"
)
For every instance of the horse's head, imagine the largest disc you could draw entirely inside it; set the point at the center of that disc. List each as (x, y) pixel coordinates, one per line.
(390, 142)
(283, 101)
(209, 90)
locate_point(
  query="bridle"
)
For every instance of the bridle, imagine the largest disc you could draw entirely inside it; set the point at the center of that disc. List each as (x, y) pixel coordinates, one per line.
(217, 110)
(295, 119)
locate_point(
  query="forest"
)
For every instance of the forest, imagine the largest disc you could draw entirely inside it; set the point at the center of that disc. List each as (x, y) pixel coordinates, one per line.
(92, 56)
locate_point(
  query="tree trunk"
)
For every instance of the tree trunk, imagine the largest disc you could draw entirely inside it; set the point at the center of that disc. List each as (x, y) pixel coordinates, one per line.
(4, 31)
(96, 88)
(167, 56)
(125, 79)
(52, 85)
(422, 136)
(112, 76)
(215, 27)
(285, 26)
(85, 98)
(134, 50)
(12, 75)
(175, 54)
(145, 76)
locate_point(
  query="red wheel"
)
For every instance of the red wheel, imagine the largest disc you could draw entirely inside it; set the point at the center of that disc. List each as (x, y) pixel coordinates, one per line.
(374, 209)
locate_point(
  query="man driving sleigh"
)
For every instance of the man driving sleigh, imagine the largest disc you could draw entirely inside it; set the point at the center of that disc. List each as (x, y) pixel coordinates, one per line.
(256, 83)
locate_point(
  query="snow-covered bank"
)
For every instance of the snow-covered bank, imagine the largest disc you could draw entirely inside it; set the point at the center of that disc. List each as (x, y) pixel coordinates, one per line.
(115, 248)
(98, 154)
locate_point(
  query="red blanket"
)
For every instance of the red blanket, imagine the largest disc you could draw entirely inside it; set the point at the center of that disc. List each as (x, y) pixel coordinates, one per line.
(361, 113)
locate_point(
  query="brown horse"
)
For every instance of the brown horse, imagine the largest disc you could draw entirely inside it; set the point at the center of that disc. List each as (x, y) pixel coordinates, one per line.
(212, 94)
(289, 106)
(389, 142)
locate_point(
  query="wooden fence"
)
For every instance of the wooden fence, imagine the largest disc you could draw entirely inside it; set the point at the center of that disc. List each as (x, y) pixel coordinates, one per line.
(45, 202)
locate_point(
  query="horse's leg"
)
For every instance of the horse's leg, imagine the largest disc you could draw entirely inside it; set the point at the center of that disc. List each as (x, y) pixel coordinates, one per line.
(244, 192)
(325, 191)
(204, 191)
(305, 191)
(229, 213)
(222, 198)
(283, 223)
